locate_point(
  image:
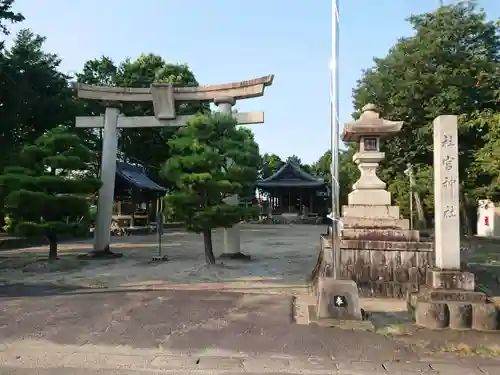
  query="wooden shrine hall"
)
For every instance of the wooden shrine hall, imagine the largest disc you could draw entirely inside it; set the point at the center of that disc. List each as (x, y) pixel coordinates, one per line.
(137, 197)
(293, 191)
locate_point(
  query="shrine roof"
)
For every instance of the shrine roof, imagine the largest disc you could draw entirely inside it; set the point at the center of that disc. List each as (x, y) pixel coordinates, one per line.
(136, 175)
(290, 175)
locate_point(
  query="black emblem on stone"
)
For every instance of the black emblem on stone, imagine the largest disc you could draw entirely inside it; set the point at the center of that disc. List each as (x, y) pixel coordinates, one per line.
(339, 301)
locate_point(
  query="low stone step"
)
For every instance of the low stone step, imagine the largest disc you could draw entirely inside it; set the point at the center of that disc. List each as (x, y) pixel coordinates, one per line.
(386, 245)
(381, 234)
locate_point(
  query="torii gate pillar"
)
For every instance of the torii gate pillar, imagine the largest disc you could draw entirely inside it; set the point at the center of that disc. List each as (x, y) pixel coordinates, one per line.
(108, 176)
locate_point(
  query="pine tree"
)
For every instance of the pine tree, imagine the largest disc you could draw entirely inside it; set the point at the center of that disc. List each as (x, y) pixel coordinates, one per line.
(48, 193)
(213, 160)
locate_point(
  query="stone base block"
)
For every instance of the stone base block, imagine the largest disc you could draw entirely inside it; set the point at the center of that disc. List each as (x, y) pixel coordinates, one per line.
(377, 223)
(450, 279)
(456, 309)
(460, 315)
(329, 290)
(371, 211)
(380, 234)
(485, 317)
(432, 315)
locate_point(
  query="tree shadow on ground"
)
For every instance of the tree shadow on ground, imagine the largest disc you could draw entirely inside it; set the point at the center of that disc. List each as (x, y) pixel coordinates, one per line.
(40, 290)
(18, 290)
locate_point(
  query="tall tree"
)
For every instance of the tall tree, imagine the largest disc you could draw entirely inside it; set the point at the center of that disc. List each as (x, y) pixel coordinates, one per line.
(212, 160)
(7, 15)
(451, 65)
(45, 195)
(35, 96)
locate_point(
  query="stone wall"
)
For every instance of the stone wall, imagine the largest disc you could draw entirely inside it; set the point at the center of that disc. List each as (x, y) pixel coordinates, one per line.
(377, 270)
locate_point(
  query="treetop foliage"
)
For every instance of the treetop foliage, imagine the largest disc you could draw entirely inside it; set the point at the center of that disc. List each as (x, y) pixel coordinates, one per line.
(7, 14)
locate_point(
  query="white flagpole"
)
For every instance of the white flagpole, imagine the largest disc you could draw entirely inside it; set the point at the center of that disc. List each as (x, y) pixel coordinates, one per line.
(335, 138)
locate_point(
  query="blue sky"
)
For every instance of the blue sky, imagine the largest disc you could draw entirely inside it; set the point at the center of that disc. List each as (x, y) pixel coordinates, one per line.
(232, 40)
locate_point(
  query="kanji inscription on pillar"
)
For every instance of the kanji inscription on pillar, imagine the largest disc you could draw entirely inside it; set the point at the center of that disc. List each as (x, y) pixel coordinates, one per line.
(446, 193)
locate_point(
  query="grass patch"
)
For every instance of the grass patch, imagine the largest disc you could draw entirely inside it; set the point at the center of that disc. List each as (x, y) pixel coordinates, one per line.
(463, 349)
(488, 256)
(483, 251)
(394, 330)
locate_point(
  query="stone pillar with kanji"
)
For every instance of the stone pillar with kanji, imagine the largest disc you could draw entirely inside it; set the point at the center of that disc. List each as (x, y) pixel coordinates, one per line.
(450, 299)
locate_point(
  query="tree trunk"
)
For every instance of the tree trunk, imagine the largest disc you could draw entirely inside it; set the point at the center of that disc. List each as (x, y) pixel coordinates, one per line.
(52, 247)
(2, 220)
(209, 251)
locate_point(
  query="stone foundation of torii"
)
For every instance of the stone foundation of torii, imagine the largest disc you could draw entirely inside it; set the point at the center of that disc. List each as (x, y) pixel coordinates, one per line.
(164, 97)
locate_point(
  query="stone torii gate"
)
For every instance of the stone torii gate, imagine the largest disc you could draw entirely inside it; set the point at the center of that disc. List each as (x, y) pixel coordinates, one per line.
(164, 97)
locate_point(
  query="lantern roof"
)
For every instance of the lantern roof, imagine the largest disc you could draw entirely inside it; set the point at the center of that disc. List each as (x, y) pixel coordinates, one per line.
(370, 124)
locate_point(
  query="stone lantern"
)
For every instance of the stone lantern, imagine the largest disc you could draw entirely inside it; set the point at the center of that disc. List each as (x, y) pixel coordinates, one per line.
(367, 131)
(378, 250)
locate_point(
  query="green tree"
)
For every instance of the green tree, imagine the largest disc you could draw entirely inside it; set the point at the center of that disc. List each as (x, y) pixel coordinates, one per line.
(348, 171)
(322, 167)
(307, 168)
(486, 160)
(45, 195)
(148, 145)
(400, 191)
(270, 163)
(294, 159)
(35, 96)
(248, 191)
(212, 160)
(451, 65)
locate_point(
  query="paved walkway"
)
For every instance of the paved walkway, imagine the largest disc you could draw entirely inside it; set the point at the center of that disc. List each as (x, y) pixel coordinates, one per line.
(181, 332)
(34, 359)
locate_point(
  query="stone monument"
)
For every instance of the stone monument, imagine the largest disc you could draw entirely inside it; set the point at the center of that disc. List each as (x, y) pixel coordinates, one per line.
(378, 249)
(164, 98)
(450, 299)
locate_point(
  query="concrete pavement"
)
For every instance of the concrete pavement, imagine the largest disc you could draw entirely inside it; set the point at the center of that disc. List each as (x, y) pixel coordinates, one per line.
(183, 322)
(95, 363)
(59, 331)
